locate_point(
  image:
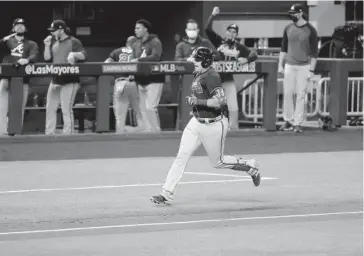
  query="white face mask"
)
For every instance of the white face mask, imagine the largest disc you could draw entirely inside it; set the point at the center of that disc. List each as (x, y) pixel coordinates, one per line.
(191, 34)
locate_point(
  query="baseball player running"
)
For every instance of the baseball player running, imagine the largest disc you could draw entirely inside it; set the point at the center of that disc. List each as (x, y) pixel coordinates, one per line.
(62, 48)
(20, 50)
(125, 89)
(229, 49)
(208, 127)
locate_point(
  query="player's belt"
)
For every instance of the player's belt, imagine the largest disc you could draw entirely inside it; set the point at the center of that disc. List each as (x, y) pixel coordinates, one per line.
(209, 120)
(124, 78)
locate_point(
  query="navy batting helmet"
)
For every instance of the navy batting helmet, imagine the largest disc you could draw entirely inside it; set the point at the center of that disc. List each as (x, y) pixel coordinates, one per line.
(203, 55)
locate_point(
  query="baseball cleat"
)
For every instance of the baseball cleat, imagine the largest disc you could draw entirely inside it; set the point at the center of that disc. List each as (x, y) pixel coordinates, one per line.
(254, 171)
(159, 199)
(298, 129)
(287, 126)
(256, 179)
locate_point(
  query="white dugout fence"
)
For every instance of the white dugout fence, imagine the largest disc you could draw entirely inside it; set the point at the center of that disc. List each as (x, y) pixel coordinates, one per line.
(317, 99)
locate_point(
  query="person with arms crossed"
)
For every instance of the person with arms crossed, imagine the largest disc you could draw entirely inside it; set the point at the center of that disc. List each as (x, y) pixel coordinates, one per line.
(297, 61)
(148, 48)
(61, 48)
(208, 127)
(125, 88)
(19, 50)
(229, 49)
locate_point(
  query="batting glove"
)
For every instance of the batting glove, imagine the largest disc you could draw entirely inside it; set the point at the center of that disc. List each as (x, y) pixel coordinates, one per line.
(191, 100)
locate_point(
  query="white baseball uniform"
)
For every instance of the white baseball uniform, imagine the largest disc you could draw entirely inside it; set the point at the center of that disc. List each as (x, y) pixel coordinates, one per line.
(300, 46)
(150, 87)
(4, 104)
(18, 49)
(125, 91)
(63, 88)
(208, 127)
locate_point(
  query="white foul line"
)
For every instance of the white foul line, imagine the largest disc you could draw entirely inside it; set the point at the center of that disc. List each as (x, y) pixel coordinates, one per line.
(178, 223)
(122, 186)
(217, 174)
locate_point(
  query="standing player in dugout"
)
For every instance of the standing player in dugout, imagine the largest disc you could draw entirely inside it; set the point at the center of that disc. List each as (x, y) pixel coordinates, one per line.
(60, 47)
(229, 49)
(208, 127)
(148, 48)
(19, 50)
(125, 88)
(297, 61)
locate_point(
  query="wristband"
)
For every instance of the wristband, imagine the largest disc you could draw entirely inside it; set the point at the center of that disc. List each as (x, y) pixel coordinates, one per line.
(201, 102)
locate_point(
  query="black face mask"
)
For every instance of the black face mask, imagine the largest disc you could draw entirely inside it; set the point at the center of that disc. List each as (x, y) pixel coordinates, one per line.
(293, 18)
(229, 41)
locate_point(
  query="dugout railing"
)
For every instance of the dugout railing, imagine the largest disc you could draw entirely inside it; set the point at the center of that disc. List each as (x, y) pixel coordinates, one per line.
(338, 70)
(317, 98)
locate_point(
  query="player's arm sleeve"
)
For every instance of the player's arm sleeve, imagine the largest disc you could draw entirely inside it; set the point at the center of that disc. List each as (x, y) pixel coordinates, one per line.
(245, 52)
(33, 52)
(213, 84)
(313, 42)
(112, 57)
(284, 45)
(211, 34)
(78, 49)
(48, 53)
(179, 52)
(156, 52)
(134, 47)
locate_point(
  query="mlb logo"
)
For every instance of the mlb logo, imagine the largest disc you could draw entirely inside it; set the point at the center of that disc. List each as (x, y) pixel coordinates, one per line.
(155, 68)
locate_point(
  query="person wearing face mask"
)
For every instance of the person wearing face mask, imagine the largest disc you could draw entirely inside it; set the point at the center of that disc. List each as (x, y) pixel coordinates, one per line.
(61, 48)
(193, 40)
(229, 49)
(125, 88)
(297, 61)
(20, 51)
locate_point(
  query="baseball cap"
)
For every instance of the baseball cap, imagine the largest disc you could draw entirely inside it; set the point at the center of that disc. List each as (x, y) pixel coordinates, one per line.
(234, 26)
(296, 8)
(57, 24)
(18, 21)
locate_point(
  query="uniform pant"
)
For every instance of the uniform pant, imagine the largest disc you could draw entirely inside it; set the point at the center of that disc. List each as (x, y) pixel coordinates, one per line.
(295, 83)
(232, 103)
(125, 92)
(212, 136)
(64, 95)
(150, 96)
(4, 103)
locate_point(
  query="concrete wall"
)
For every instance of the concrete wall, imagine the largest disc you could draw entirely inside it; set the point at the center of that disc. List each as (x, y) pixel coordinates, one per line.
(326, 15)
(250, 28)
